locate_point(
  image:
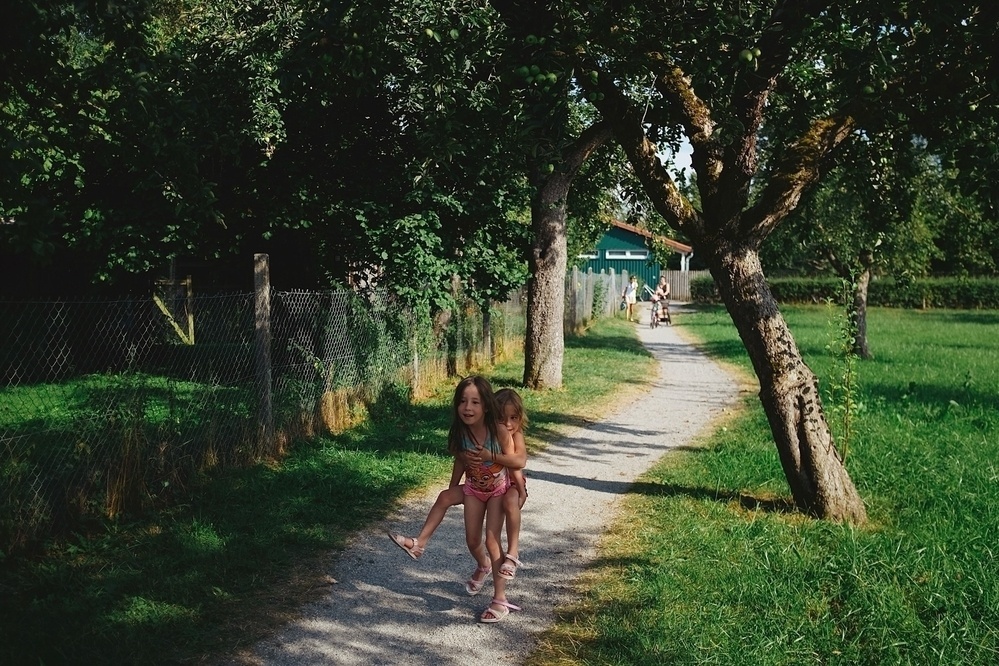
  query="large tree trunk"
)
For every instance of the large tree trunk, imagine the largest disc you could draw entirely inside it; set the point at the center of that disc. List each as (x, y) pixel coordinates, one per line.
(729, 226)
(544, 347)
(788, 390)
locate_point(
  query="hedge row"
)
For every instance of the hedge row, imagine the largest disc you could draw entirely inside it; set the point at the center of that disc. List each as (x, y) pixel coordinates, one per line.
(950, 292)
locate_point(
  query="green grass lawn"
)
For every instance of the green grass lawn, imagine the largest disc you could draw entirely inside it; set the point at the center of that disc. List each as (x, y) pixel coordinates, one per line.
(701, 571)
(241, 555)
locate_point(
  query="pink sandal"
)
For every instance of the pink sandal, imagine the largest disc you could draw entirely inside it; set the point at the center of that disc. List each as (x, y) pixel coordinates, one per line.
(414, 551)
(473, 586)
(493, 615)
(508, 570)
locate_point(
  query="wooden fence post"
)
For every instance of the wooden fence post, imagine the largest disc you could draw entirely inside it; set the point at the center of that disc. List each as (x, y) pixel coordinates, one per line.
(262, 352)
(588, 298)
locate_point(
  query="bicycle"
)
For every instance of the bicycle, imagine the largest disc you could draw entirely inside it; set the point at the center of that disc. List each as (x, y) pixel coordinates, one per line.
(657, 318)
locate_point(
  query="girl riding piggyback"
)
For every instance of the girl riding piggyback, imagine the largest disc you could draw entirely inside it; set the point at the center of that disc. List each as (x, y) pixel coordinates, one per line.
(488, 448)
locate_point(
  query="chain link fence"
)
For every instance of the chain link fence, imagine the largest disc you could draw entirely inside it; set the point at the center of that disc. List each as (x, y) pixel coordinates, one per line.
(110, 407)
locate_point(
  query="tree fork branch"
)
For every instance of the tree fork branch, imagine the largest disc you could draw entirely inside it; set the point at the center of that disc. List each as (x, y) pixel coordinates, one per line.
(695, 117)
(800, 167)
(620, 113)
(576, 153)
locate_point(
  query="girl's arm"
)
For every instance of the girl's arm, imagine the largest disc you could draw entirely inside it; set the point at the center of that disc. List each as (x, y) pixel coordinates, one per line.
(519, 482)
(514, 455)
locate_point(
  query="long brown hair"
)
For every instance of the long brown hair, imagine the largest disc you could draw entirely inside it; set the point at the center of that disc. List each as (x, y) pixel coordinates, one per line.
(490, 413)
(507, 396)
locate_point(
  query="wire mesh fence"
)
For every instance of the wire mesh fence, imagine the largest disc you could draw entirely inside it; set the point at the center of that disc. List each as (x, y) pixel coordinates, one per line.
(111, 407)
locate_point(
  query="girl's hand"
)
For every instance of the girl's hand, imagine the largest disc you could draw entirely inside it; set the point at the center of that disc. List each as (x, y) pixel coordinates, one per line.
(473, 457)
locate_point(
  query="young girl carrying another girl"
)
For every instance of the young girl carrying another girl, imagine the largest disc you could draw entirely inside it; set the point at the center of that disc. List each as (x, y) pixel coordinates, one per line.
(513, 417)
(484, 453)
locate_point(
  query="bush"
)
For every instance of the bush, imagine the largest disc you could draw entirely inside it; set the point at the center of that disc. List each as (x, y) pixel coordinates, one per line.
(947, 292)
(702, 290)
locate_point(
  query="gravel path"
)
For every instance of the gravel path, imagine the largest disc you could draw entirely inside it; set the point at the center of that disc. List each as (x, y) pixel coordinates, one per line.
(386, 608)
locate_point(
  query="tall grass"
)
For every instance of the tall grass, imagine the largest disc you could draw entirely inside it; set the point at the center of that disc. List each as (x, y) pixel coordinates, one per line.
(709, 566)
(201, 579)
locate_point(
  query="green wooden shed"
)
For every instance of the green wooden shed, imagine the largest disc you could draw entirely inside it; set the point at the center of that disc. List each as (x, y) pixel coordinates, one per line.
(625, 247)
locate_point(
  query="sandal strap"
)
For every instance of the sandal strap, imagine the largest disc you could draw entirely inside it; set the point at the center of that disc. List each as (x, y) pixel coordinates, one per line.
(500, 602)
(514, 560)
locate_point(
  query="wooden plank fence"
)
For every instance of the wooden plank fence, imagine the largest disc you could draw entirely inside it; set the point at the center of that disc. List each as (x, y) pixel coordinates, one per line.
(679, 283)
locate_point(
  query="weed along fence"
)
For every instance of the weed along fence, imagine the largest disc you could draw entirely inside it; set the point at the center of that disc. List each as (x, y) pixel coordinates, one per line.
(589, 295)
(109, 407)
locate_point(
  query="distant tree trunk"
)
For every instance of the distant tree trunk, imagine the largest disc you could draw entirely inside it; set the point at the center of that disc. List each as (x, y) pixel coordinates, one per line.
(788, 390)
(544, 344)
(858, 314)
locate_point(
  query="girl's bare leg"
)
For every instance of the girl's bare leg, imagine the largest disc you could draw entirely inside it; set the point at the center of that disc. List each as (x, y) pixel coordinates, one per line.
(511, 507)
(416, 545)
(475, 509)
(445, 500)
(494, 529)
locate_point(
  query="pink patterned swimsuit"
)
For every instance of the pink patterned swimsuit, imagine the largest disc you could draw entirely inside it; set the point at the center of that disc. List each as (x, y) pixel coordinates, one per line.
(489, 479)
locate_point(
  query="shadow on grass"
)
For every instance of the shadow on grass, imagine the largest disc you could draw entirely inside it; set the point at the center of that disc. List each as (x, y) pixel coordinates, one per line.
(176, 585)
(612, 342)
(650, 489)
(506, 381)
(932, 397)
(949, 317)
(246, 549)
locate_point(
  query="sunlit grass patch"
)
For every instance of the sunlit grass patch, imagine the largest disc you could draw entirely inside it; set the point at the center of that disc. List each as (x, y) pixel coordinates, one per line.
(709, 565)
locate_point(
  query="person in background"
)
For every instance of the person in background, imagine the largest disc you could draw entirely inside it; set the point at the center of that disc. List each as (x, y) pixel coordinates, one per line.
(630, 296)
(661, 296)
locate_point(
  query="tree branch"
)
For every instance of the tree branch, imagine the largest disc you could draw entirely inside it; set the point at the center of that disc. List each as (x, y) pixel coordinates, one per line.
(785, 26)
(626, 121)
(799, 168)
(695, 117)
(577, 152)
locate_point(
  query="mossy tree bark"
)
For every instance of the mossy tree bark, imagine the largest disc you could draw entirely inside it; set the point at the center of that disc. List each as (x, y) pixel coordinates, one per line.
(789, 390)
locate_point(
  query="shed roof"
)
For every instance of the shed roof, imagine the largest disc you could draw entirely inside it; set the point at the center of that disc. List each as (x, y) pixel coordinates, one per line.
(676, 245)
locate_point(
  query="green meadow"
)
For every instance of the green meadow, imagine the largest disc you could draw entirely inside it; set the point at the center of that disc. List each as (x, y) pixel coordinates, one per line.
(708, 565)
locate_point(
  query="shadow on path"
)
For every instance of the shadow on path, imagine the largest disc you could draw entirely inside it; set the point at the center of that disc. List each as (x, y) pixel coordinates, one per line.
(386, 608)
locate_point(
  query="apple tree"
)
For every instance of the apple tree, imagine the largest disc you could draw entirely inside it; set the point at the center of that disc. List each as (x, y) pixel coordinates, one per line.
(806, 78)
